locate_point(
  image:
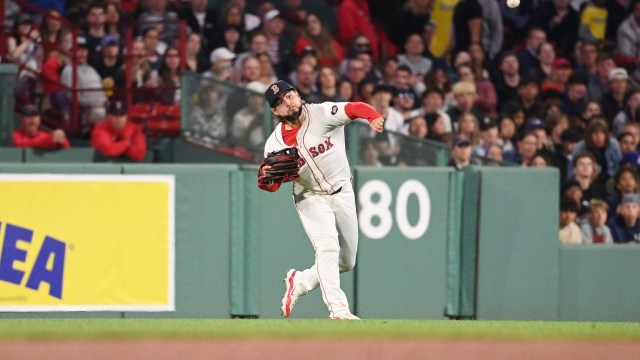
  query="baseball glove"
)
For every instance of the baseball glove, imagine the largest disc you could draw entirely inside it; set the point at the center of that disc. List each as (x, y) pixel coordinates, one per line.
(284, 166)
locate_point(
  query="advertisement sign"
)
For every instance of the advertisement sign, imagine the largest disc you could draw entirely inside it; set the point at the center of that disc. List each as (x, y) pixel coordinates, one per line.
(86, 242)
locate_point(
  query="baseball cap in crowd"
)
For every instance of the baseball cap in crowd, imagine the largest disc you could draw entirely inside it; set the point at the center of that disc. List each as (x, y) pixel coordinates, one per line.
(276, 90)
(571, 135)
(25, 18)
(534, 123)
(81, 41)
(116, 107)
(405, 92)
(487, 123)
(257, 86)
(630, 198)
(29, 110)
(109, 40)
(271, 14)
(461, 140)
(618, 74)
(560, 63)
(221, 53)
(308, 50)
(578, 78)
(630, 158)
(527, 80)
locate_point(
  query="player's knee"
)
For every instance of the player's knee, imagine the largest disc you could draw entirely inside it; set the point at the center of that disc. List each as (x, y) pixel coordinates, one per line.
(347, 265)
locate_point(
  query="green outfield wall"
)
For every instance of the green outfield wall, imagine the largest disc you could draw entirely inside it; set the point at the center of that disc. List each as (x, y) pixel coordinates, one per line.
(435, 243)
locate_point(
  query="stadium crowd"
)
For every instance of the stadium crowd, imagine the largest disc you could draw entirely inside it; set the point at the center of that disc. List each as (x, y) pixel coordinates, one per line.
(547, 83)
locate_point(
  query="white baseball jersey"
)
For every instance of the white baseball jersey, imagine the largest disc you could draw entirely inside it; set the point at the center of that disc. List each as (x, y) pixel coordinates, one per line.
(320, 142)
(324, 197)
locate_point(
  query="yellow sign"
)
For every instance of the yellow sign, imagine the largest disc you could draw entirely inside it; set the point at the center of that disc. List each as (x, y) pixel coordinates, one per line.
(86, 242)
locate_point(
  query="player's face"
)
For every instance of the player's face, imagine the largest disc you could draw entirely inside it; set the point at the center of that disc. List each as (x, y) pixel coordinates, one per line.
(289, 107)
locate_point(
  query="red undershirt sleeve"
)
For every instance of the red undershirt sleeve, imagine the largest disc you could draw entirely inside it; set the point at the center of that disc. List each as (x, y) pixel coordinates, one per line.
(355, 110)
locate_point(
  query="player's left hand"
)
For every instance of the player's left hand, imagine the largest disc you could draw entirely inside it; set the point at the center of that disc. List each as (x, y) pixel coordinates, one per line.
(377, 125)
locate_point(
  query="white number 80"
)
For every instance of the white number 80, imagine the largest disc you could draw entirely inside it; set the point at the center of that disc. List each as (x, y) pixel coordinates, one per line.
(380, 209)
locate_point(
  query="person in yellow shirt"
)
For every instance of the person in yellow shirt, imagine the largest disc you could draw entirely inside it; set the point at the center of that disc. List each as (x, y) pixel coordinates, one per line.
(442, 16)
(593, 22)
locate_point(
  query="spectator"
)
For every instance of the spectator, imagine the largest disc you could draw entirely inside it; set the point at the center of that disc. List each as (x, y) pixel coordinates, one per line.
(480, 64)
(221, 60)
(387, 145)
(94, 29)
(614, 100)
(153, 46)
(558, 77)
(206, 120)
(137, 70)
(353, 17)
(595, 230)
(506, 137)
(539, 129)
(29, 135)
(438, 78)
(628, 37)
(508, 79)
(250, 70)
(572, 190)
(604, 149)
(345, 89)
(52, 32)
(587, 59)
(540, 160)
(316, 36)
(326, 86)
(436, 128)
(528, 57)
(488, 137)
(634, 129)
(635, 75)
(584, 170)
(593, 21)
(246, 125)
(625, 183)
(560, 21)
(465, 96)
(413, 58)
(527, 98)
(251, 21)
(460, 152)
(389, 67)
(433, 102)
(627, 142)
(415, 152)
(116, 137)
(115, 20)
(355, 74)
(88, 83)
(570, 232)
(598, 82)
(232, 38)
(629, 114)
(467, 24)
(625, 226)
(492, 28)
(267, 75)
(170, 77)
(468, 124)
(442, 16)
(109, 62)
(294, 13)
(574, 99)
(546, 57)
(527, 149)
(23, 43)
(562, 154)
(404, 103)
(257, 46)
(280, 43)
(195, 57)
(201, 21)
(158, 15)
(590, 109)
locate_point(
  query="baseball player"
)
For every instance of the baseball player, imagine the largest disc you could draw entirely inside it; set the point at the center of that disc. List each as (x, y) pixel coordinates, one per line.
(322, 194)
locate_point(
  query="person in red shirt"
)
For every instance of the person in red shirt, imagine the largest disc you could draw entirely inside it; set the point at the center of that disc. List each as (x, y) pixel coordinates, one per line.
(29, 135)
(116, 137)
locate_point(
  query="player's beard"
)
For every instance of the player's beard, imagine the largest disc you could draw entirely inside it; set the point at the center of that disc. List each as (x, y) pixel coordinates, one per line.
(293, 117)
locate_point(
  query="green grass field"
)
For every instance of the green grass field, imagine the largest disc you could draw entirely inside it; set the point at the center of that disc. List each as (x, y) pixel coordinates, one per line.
(321, 328)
